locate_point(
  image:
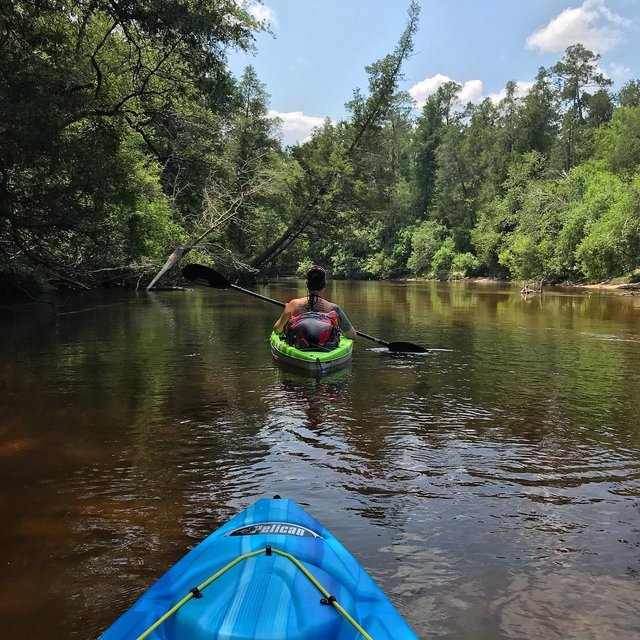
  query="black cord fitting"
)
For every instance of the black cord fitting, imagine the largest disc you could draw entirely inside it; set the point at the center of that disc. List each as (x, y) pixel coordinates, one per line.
(268, 550)
(329, 600)
(196, 592)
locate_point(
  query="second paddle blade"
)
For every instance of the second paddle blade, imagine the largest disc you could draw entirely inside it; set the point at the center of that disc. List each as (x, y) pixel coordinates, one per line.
(406, 347)
(205, 275)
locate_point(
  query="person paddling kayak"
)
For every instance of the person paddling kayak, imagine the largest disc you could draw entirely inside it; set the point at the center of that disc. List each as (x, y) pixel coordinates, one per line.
(313, 322)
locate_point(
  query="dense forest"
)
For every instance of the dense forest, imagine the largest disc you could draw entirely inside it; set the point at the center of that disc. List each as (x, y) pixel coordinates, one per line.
(126, 143)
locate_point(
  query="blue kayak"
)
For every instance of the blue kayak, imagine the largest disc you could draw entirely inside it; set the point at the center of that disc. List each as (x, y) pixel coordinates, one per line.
(271, 573)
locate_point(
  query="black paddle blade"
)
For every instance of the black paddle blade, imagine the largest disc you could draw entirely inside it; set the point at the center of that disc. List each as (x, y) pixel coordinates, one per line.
(207, 276)
(406, 347)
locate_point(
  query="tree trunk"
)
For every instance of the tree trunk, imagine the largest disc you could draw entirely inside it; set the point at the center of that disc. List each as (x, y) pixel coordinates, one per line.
(212, 218)
(295, 229)
(172, 260)
(376, 107)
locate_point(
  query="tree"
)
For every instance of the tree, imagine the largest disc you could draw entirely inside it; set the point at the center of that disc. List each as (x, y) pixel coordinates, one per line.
(611, 246)
(425, 241)
(499, 218)
(589, 191)
(222, 204)
(383, 196)
(112, 77)
(574, 74)
(629, 95)
(430, 126)
(538, 117)
(619, 143)
(456, 182)
(366, 114)
(599, 108)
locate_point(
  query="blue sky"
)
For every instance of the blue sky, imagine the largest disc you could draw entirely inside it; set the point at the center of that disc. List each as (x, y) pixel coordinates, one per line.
(320, 48)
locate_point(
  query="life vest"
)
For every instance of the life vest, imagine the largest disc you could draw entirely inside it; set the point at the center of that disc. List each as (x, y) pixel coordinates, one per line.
(313, 331)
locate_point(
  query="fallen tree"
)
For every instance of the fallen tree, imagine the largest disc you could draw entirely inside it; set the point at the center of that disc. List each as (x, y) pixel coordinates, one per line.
(384, 76)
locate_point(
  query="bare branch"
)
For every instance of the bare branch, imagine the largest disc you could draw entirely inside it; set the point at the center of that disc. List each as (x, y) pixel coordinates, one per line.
(221, 206)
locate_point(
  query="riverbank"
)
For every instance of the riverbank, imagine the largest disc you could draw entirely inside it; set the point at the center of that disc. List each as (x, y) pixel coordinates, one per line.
(626, 289)
(603, 288)
(620, 286)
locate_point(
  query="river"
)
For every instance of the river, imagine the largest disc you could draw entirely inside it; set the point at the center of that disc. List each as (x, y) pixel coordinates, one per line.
(491, 487)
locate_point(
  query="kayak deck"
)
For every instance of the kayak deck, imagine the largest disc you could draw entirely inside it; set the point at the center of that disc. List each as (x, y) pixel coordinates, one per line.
(272, 565)
(312, 361)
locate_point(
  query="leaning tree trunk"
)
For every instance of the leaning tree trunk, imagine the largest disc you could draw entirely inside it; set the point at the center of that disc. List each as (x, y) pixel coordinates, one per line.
(180, 252)
(172, 260)
(295, 229)
(376, 106)
(212, 218)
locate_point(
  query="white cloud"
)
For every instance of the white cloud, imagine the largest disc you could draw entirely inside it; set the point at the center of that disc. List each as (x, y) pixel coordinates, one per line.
(296, 126)
(260, 12)
(592, 24)
(522, 88)
(471, 90)
(423, 89)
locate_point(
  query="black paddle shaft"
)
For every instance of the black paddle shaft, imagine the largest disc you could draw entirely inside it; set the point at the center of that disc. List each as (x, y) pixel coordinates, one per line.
(212, 278)
(257, 295)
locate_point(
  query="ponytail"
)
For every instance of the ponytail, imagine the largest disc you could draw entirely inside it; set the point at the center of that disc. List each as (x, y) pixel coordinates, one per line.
(316, 281)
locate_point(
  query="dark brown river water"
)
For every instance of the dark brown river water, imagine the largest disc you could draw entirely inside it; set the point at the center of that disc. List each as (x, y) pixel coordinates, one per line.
(491, 487)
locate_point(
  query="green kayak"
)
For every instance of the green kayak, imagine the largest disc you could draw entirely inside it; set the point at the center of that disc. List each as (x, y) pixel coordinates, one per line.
(317, 362)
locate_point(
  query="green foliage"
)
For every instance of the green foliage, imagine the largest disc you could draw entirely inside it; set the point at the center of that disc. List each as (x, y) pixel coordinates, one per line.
(89, 188)
(576, 72)
(611, 245)
(619, 143)
(538, 117)
(599, 108)
(464, 264)
(443, 258)
(629, 95)
(425, 241)
(378, 266)
(525, 258)
(346, 265)
(401, 251)
(498, 219)
(589, 191)
(303, 267)
(427, 136)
